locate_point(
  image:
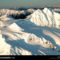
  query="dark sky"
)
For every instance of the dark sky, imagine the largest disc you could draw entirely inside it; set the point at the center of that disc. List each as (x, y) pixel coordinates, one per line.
(29, 3)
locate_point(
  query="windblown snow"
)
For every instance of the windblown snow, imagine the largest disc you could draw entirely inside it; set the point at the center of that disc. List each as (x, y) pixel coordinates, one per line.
(38, 34)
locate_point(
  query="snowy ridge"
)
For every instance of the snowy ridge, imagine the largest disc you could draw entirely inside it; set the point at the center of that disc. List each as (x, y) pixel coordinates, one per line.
(8, 12)
(32, 36)
(46, 17)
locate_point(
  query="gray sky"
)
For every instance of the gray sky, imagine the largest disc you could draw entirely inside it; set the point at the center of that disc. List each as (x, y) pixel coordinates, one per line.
(29, 3)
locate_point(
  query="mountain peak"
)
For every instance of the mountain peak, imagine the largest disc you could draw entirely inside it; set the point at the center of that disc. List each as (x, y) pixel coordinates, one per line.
(45, 17)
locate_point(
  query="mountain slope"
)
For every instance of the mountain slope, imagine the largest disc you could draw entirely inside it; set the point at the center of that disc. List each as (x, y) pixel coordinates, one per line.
(46, 17)
(31, 36)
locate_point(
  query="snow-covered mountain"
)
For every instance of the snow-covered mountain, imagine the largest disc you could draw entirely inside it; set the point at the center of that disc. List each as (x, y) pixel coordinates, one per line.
(34, 35)
(46, 17)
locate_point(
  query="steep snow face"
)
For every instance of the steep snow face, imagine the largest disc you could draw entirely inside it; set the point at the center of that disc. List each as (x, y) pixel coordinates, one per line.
(15, 28)
(4, 47)
(46, 17)
(57, 19)
(37, 17)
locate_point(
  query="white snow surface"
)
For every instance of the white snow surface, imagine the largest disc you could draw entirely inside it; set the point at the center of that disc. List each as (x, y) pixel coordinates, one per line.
(46, 17)
(37, 35)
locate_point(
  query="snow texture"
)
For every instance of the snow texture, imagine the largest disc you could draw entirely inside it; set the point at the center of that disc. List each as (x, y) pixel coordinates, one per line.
(39, 34)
